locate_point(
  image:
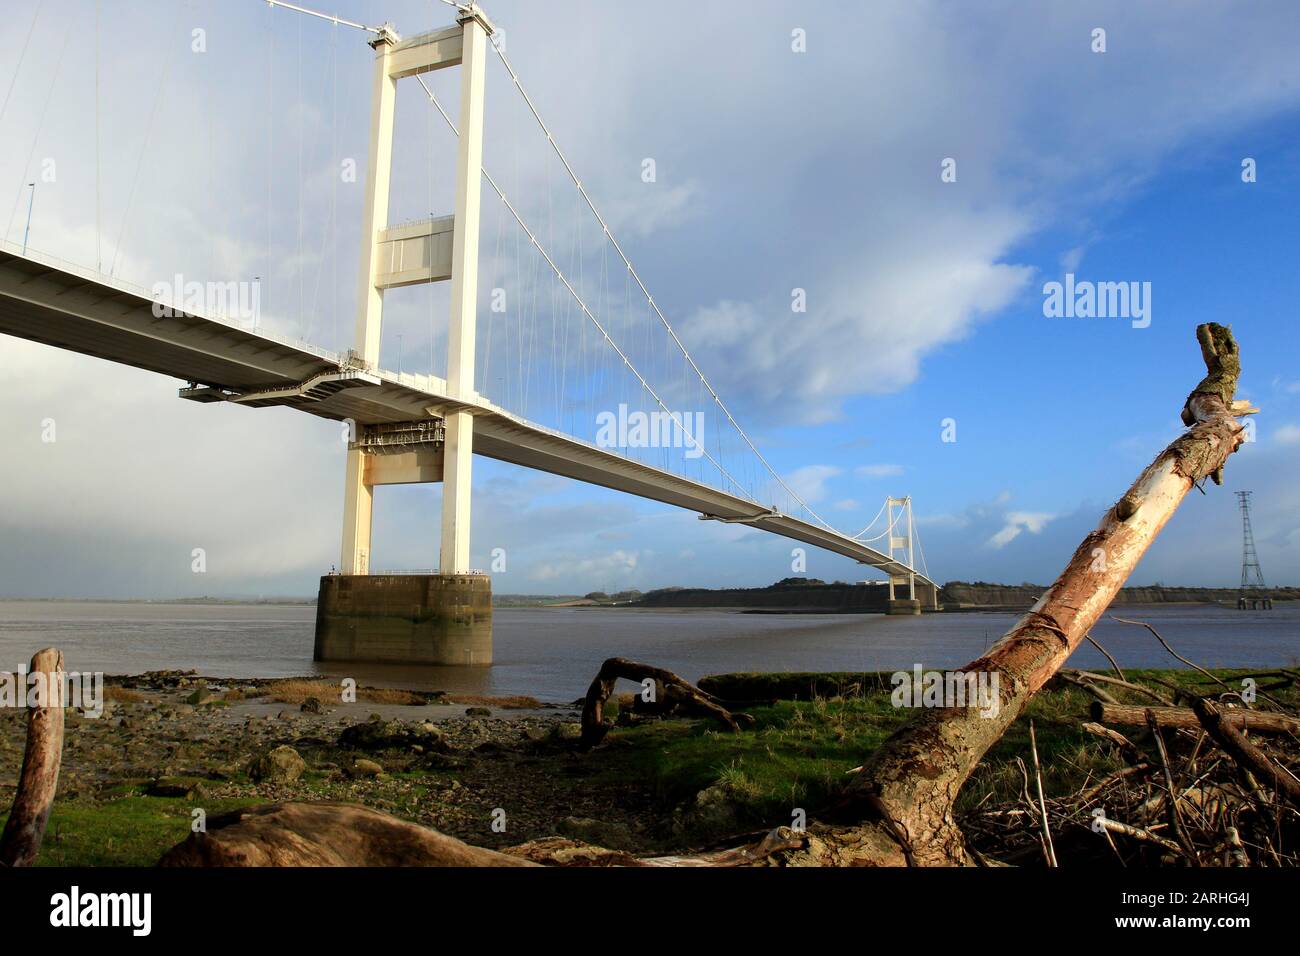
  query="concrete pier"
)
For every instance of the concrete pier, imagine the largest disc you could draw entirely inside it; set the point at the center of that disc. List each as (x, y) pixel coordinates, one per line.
(405, 618)
(904, 606)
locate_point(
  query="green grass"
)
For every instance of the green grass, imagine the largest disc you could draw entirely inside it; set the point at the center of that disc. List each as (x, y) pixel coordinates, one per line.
(799, 752)
(135, 830)
(129, 831)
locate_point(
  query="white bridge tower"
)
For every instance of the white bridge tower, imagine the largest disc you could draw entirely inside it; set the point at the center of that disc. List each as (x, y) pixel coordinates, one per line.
(898, 514)
(442, 618)
(429, 251)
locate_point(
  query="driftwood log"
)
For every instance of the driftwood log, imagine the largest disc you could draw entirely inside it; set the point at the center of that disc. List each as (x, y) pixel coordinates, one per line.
(679, 697)
(39, 779)
(325, 834)
(1186, 718)
(898, 809)
(345, 834)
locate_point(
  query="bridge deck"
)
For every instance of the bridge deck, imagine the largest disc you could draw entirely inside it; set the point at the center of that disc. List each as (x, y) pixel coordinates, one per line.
(56, 303)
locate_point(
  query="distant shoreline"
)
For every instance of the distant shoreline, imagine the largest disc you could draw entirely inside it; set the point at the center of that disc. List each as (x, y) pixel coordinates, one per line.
(811, 596)
(791, 596)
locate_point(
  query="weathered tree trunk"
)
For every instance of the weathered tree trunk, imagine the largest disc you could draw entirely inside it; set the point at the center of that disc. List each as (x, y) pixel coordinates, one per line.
(325, 834)
(1185, 717)
(25, 829)
(910, 783)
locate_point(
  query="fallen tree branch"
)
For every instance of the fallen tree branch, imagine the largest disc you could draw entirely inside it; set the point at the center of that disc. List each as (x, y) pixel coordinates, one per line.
(1248, 757)
(345, 834)
(39, 779)
(1174, 653)
(917, 772)
(1136, 688)
(1137, 833)
(1048, 848)
(1185, 718)
(1075, 680)
(774, 842)
(1138, 768)
(1105, 653)
(1227, 687)
(1128, 750)
(1175, 820)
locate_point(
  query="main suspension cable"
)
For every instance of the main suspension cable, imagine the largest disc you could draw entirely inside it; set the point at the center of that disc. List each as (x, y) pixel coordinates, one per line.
(583, 305)
(550, 138)
(336, 20)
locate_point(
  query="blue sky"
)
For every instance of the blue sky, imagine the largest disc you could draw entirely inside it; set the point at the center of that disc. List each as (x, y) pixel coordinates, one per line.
(775, 170)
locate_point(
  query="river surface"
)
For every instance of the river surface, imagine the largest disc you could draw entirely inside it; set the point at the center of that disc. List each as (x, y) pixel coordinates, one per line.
(553, 653)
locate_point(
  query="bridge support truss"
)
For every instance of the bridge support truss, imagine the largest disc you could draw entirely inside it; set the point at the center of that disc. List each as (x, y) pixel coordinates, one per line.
(443, 617)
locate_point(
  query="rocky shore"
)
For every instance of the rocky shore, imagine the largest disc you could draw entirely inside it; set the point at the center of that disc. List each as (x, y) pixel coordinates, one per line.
(490, 774)
(172, 749)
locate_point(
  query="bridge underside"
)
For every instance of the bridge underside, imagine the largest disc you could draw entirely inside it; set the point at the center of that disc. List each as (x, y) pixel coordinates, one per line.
(61, 305)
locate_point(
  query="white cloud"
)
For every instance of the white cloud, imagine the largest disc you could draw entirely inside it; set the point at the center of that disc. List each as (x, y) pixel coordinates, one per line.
(866, 332)
(916, 265)
(809, 482)
(613, 568)
(1016, 522)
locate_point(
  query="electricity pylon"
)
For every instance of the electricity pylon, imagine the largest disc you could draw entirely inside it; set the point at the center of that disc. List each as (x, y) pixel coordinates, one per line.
(1253, 589)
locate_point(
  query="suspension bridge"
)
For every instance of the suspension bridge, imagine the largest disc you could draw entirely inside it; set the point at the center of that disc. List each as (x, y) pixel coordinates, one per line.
(623, 358)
